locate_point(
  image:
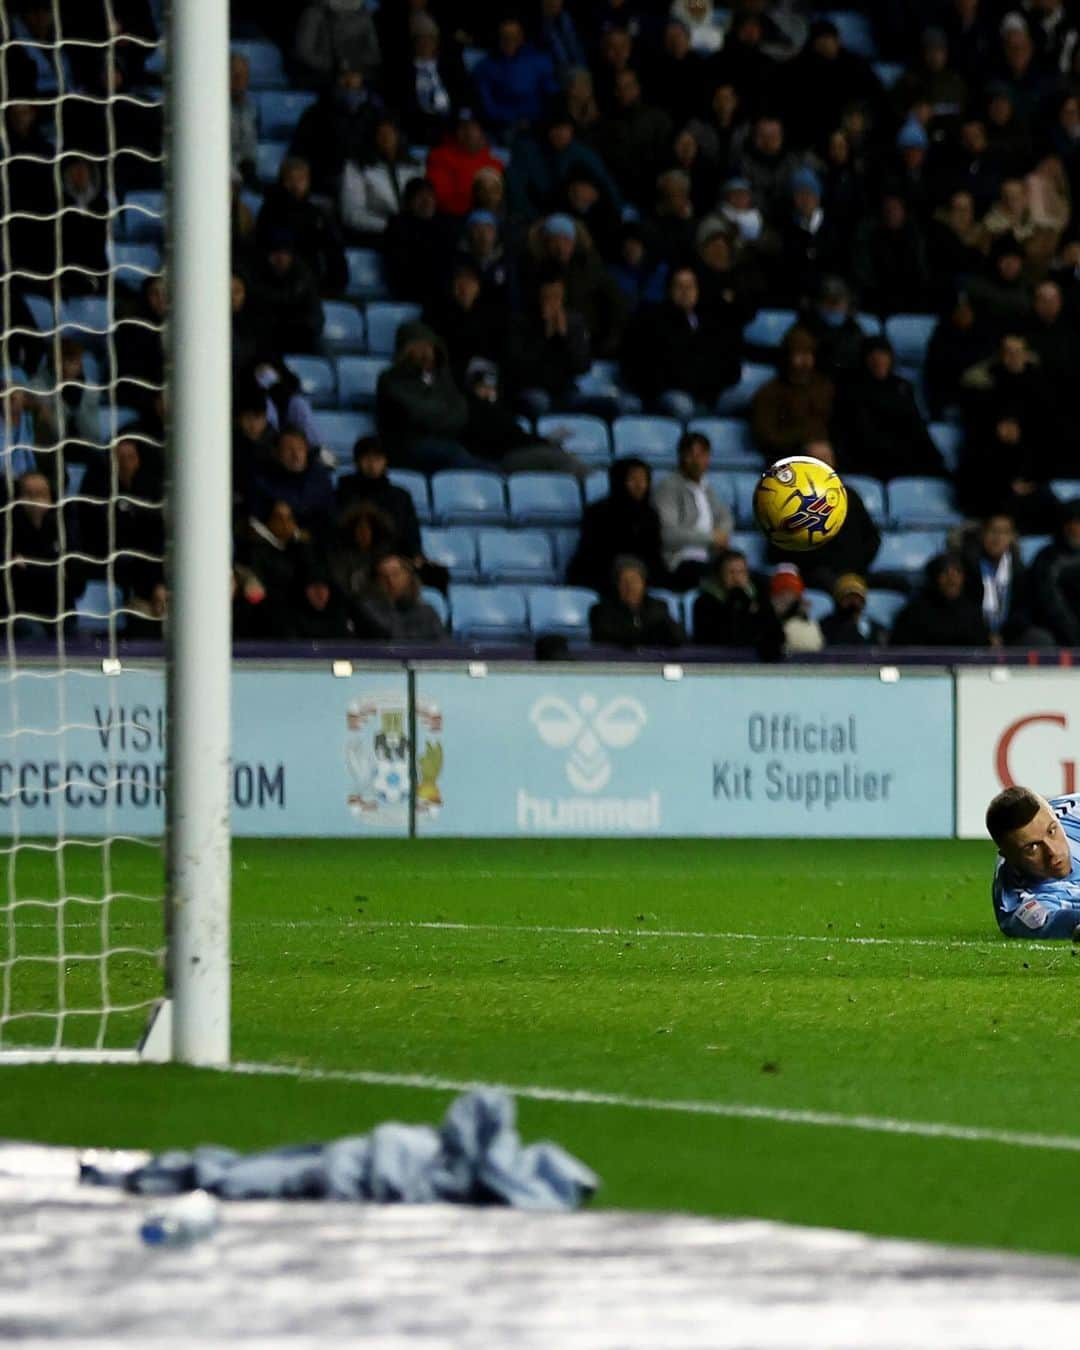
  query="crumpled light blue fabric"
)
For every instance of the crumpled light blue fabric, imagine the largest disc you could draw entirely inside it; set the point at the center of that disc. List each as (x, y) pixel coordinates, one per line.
(475, 1157)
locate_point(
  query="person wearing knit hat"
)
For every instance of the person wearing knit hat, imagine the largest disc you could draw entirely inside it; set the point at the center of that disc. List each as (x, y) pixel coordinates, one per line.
(848, 625)
(802, 633)
(809, 245)
(912, 136)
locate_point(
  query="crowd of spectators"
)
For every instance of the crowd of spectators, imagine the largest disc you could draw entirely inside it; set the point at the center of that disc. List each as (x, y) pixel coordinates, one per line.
(555, 184)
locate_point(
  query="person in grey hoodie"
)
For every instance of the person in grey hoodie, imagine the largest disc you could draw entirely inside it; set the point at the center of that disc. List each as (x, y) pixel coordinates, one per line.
(694, 524)
(332, 31)
(421, 413)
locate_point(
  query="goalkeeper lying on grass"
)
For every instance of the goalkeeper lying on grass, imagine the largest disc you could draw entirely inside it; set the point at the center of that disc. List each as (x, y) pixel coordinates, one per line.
(1037, 881)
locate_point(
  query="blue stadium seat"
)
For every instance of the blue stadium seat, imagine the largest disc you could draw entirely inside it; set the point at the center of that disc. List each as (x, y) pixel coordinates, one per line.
(343, 327)
(86, 318)
(140, 217)
(560, 609)
(652, 439)
(737, 489)
(1065, 489)
(910, 336)
(367, 280)
(872, 492)
(739, 397)
(949, 439)
(357, 378)
(869, 324)
(265, 64)
(453, 548)
(731, 442)
(581, 435)
(565, 541)
(132, 263)
(597, 486)
(280, 110)
(768, 326)
(908, 551)
(915, 377)
(339, 432)
(488, 613)
(752, 543)
(416, 485)
(674, 603)
(125, 417)
(888, 72)
(467, 497)
(472, 56)
(883, 606)
(438, 603)
(252, 200)
(819, 603)
(544, 498)
(383, 321)
(74, 473)
(41, 311)
(856, 32)
(1031, 545)
(317, 379)
(601, 380)
(516, 556)
(268, 157)
(93, 607)
(917, 502)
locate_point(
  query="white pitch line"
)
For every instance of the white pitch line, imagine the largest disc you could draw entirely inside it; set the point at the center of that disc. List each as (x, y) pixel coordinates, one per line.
(923, 1129)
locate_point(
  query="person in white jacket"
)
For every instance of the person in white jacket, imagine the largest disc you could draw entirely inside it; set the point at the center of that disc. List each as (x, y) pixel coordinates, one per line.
(372, 193)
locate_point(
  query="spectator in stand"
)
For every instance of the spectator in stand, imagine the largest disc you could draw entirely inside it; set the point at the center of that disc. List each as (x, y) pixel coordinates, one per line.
(956, 245)
(932, 82)
(624, 523)
(332, 31)
(1055, 577)
(1034, 211)
(286, 404)
(809, 245)
(421, 413)
(796, 406)
(246, 325)
(639, 274)
(632, 617)
(787, 595)
(286, 292)
(1054, 32)
(680, 358)
(997, 579)
(243, 120)
(242, 227)
(295, 476)
(1021, 76)
(730, 280)
(549, 348)
(852, 549)
(743, 63)
(879, 429)
(585, 202)
(591, 291)
(616, 54)
(1009, 146)
(714, 127)
(730, 611)
(686, 155)
(1053, 339)
(494, 434)
(703, 24)
(280, 559)
(831, 321)
(514, 83)
(337, 129)
(121, 511)
(84, 229)
(370, 486)
(908, 172)
(45, 577)
(75, 411)
(417, 245)
(372, 194)
(969, 167)
(848, 624)
(581, 105)
(844, 182)
(481, 247)
(1012, 442)
(395, 610)
(542, 163)
(253, 439)
(557, 37)
(432, 86)
(673, 78)
(672, 227)
(888, 264)
(469, 322)
(633, 139)
(957, 343)
(761, 156)
(823, 80)
(364, 534)
(140, 350)
(452, 166)
(739, 211)
(942, 614)
(694, 524)
(288, 206)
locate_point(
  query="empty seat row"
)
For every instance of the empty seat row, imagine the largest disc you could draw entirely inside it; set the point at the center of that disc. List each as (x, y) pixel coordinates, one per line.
(909, 334)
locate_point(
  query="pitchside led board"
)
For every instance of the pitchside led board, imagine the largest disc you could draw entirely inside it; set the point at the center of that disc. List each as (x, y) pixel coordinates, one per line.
(528, 754)
(1014, 726)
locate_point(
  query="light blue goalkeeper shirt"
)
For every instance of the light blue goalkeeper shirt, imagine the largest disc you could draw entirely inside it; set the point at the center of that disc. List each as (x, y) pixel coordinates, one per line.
(1027, 908)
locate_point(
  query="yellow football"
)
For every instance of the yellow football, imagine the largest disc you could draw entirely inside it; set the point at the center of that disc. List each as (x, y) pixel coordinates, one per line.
(800, 503)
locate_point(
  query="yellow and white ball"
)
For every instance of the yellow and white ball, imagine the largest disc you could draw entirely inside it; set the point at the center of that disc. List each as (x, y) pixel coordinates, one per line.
(800, 503)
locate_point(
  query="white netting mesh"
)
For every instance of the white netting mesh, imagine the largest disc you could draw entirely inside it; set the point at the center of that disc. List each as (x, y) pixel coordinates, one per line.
(81, 514)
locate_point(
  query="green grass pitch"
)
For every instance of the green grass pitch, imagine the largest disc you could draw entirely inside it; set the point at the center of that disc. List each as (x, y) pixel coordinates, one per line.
(959, 1027)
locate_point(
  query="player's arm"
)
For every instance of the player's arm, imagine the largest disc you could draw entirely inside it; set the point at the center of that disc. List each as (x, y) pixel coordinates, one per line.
(1040, 916)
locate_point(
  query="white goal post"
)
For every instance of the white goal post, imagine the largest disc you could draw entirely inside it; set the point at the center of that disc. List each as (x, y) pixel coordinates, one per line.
(80, 954)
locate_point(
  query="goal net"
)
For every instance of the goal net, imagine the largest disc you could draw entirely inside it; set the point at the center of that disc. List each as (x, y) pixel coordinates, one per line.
(86, 484)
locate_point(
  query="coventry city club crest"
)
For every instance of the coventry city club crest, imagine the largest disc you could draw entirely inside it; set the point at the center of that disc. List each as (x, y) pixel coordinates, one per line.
(378, 752)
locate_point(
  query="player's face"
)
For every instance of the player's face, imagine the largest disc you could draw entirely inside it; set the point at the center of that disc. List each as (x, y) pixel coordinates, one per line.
(1039, 848)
